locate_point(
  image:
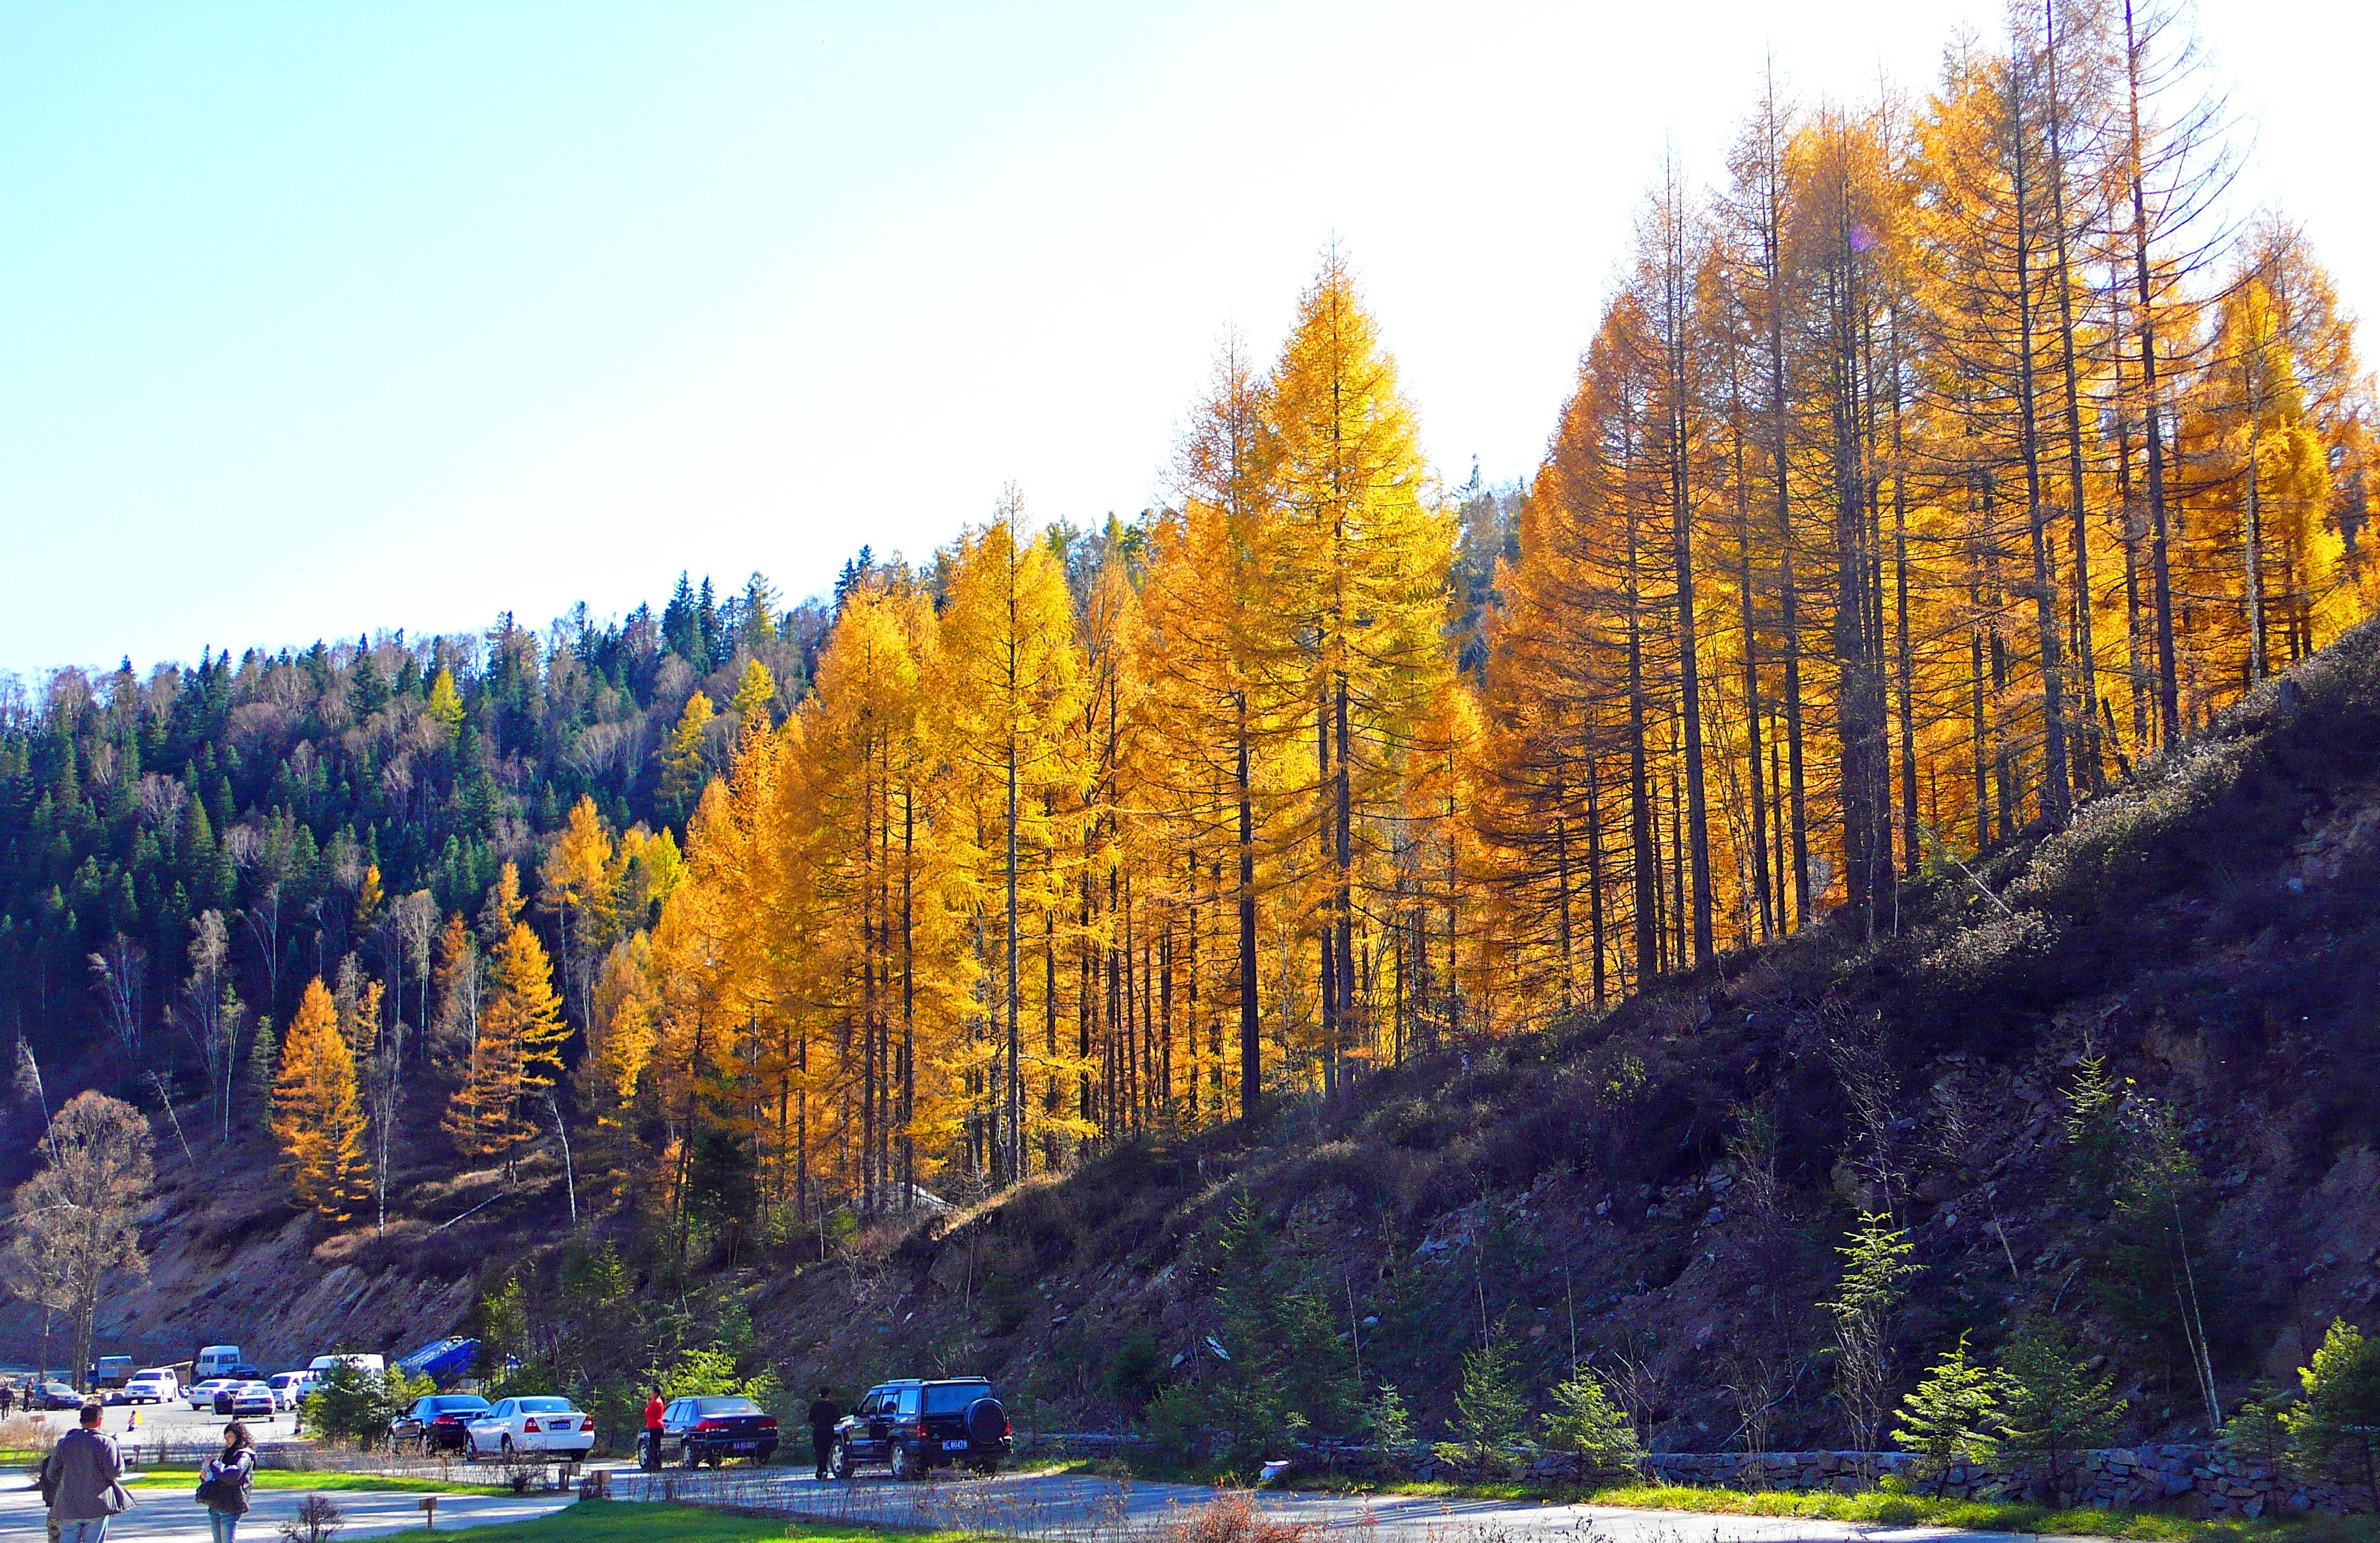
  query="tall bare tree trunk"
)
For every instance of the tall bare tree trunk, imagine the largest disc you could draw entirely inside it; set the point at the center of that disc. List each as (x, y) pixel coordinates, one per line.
(2056, 786)
(2152, 409)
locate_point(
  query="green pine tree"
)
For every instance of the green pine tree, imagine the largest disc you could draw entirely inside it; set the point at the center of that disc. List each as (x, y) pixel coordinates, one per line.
(263, 1070)
(2258, 1434)
(1952, 1417)
(1286, 1371)
(1875, 1268)
(1388, 1422)
(2052, 1406)
(1489, 1407)
(1587, 1424)
(2337, 1426)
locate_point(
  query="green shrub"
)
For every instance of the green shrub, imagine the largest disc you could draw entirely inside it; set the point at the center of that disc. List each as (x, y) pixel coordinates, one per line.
(1489, 1407)
(1586, 1423)
(1137, 1369)
(1952, 1417)
(1174, 1424)
(711, 1373)
(1388, 1423)
(2257, 1433)
(352, 1404)
(2338, 1428)
(2051, 1406)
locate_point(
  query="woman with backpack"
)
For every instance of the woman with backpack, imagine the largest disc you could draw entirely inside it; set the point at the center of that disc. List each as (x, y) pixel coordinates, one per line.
(225, 1484)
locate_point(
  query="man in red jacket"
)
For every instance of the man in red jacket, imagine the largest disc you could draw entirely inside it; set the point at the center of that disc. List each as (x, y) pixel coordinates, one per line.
(653, 1432)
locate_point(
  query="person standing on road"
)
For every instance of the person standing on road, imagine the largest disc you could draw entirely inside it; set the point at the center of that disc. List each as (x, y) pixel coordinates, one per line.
(81, 1486)
(823, 1414)
(7, 1397)
(653, 1410)
(223, 1484)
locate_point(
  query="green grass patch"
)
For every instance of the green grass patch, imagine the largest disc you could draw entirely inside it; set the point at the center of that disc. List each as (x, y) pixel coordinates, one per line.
(623, 1522)
(293, 1478)
(1881, 1509)
(1874, 1507)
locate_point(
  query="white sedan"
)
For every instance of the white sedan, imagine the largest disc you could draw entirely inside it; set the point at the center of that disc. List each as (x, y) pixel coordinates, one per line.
(542, 1424)
(201, 1395)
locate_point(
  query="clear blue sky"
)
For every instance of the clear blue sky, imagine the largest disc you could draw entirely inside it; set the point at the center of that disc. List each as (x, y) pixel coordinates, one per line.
(316, 318)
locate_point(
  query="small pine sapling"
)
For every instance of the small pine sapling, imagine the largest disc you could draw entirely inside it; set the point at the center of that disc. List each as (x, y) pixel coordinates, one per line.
(1951, 1418)
(1875, 1266)
(2258, 1435)
(1489, 1407)
(1388, 1424)
(2338, 1426)
(1588, 1424)
(2051, 1406)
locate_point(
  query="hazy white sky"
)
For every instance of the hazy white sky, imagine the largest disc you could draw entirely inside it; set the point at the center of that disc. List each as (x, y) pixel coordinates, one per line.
(320, 319)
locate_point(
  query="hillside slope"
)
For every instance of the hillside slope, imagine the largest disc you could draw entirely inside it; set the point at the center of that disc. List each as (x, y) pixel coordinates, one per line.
(1661, 1190)
(1669, 1184)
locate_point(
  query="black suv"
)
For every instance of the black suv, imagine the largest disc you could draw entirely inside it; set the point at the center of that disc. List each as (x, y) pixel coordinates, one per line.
(911, 1427)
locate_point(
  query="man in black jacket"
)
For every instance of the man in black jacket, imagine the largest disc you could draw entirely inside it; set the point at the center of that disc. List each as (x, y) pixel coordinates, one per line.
(823, 1414)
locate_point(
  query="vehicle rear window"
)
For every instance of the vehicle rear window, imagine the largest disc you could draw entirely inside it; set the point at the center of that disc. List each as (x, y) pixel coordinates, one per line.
(951, 1398)
(544, 1405)
(725, 1406)
(458, 1405)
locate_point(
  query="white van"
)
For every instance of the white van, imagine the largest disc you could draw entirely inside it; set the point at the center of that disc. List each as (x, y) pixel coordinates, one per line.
(215, 1360)
(372, 1363)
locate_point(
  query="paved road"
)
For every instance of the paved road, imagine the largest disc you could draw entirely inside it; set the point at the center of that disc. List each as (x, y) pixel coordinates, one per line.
(171, 1516)
(1071, 1507)
(177, 1424)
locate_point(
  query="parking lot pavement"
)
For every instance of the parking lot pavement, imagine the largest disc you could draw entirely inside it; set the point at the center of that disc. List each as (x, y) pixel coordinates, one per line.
(171, 1516)
(178, 1424)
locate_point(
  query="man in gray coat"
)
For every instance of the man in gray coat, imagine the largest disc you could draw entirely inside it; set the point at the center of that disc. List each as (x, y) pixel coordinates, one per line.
(80, 1481)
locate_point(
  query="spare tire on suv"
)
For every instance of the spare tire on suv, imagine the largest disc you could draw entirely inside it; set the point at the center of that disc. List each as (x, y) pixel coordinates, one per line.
(916, 1425)
(987, 1422)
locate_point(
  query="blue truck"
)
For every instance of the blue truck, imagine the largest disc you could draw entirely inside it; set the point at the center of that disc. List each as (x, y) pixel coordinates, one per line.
(441, 1361)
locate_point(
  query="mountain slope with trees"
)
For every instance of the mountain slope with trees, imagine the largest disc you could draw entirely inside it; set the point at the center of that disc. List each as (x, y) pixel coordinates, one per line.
(2114, 1085)
(1944, 491)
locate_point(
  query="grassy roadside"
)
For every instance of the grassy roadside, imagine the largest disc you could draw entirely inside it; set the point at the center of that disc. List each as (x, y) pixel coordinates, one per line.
(1881, 1507)
(1873, 1507)
(290, 1478)
(618, 1522)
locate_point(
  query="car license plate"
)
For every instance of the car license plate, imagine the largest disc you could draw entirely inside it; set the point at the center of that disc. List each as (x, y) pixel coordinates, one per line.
(954, 1446)
(745, 1446)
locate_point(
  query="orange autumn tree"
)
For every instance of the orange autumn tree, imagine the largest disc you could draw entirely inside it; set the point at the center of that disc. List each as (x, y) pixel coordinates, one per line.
(316, 1117)
(516, 1053)
(1009, 696)
(1365, 549)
